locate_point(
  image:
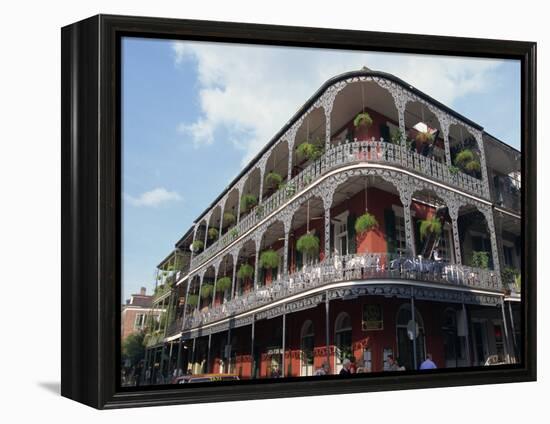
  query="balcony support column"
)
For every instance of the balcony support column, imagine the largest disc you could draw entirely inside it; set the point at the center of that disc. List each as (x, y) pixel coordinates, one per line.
(233, 288)
(327, 232)
(185, 304)
(201, 277)
(485, 177)
(206, 235)
(445, 124)
(290, 137)
(283, 346)
(453, 213)
(327, 329)
(328, 114)
(285, 254)
(506, 336)
(216, 266)
(405, 193)
(488, 212)
(261, 165)
(256, 265)
(208, 370)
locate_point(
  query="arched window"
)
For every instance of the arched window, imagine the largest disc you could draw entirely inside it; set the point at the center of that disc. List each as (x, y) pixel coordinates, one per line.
(342, 339)
(307, 342)
(405, 352)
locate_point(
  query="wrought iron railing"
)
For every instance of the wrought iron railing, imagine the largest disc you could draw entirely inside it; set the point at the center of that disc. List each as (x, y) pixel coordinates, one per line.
(507, 192)
(347, 268)
(337, 156)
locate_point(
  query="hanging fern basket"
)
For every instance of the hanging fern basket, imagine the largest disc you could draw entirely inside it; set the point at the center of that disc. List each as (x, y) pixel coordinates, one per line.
(245, 271)
(273, 179)
(425, 137)
(223, 284)
(228, 219)
(308, 244)
(192, 300)
(269, 259)
(430, 226)
(363, 119)
(365, 223)
(206, 290)
(213, 233)
(197, 245)
(248, 201)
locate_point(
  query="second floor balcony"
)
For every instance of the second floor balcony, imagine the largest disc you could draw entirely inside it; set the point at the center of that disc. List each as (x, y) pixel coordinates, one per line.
(349, 153)
(356, 268)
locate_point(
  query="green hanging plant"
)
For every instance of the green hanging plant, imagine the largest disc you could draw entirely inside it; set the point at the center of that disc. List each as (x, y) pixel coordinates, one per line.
(192, 300)
(234, 232)
(228, 219)
(245, 271)
(468, 161)
(425, 137)
(197, 245)
(206, 290)
(269, 259)
(213, 233)
(273, 179)
(223, 284)
(509, 276)
(480, 259)
(430, 226)
(310, 151)
(363, 119)
(248, 201)
(365, 223)
(308, 244)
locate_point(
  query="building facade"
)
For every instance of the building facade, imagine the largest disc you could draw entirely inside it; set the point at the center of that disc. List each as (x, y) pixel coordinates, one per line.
(377, 222)
(136, 311)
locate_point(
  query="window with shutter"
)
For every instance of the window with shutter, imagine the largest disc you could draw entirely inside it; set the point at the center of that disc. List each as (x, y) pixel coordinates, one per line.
(389, 221)
(352, 248)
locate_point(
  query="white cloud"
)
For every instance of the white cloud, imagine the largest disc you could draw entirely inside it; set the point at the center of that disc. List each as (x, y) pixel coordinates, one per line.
(247, 93)
(153, 198)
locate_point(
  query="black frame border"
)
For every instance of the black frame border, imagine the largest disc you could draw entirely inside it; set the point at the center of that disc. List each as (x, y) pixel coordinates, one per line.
(91, 205)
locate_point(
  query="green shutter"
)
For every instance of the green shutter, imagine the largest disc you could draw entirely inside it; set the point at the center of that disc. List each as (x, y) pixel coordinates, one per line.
(274, 273)
(351, 234)
(389, 221)
(261, 276)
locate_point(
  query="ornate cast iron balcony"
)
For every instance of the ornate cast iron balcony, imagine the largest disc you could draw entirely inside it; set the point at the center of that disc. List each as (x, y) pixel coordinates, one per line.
(350, 268)
(379, 152)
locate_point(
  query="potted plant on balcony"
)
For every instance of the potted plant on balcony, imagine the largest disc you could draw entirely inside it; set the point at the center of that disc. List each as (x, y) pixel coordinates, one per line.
(228, 219)
(308, 244)
(396, 136)
(273, 180)
(430, 226)
(206, 290)
(480, 260)
(269, 259)
(234, 233)
(362, 119)
(192, 300)
(309, 151)
(245, 271)
(468, 161)
(248, 201)
(213, 233)
(223, 284)
(365, 223)
(425, 137)
(197, 246)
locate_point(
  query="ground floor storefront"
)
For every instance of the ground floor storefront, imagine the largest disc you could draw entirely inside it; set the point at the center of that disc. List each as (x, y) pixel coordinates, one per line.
(365, 329)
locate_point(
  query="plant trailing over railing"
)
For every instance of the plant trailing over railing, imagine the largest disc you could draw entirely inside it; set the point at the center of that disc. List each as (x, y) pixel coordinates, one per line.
(228, 219)
(308, 244)
(206, 290)
(310, 151)
(511, 276)
(259, 211)
(424, 137)
(212, 233)
(192, 300)
(365, 223)
(223, 284)
(396, 136)
(234, 233)
(430, 226)
(269, 259)
(197, 246)
(480, 259)
(362, 119)
(248, 201)
(290, 188)
(273, 179)
(468, 161)
(454, 170)
(245, 271)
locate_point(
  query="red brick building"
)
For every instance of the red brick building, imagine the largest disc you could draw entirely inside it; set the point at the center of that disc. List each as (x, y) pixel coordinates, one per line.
(436, 272)
(136, 311)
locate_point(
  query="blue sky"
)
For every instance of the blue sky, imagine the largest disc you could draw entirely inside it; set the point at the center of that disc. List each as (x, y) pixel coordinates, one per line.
(194, 113)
